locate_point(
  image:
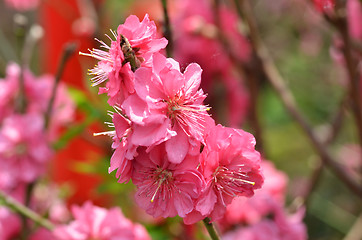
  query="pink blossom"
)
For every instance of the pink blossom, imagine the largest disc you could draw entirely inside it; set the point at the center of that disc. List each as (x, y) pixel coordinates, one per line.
(92, 222)
(324, 5)
(41, 234)
(134, 41)
(38, 91)
(125, 151)
(46, 201)
(142, 36)
(164, 188)
(281, 227)
(169, 103)
(231, 167)
(238, 100)
(24, 148)
(22, 5)
(252, 210)
(10, 224)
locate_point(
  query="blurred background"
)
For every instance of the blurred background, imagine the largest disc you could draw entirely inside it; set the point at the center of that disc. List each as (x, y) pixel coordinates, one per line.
(306, 48)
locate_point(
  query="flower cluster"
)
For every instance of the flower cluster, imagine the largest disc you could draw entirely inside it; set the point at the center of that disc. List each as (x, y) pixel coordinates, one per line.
(24, 154)
(92, 222)
(164, 138)
(24, 135)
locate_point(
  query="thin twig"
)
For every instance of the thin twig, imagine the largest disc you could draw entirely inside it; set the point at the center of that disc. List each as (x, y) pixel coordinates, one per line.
(313, 182)
(20, 208)
(167, 32)
(67, 53)
(288, 100)
(211, 229)
(337, 123)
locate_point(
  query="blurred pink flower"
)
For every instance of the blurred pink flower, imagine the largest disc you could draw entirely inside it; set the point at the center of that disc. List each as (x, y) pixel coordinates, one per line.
(238, 100)
(10, 224)
(24, 148)
(114, 61)
(38, 91)
(270, 230)
(324, 5)
(22, 5)
(252, 210)
(46, 200)
(231, 167)
(164, 188)
(41, 234)
(171, 103)
(197, 41)
(92, 222)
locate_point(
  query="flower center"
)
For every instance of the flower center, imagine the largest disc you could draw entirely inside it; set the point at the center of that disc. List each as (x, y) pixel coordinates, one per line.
(162, 179)
(188, 115)
(173, 108)
(231, 182)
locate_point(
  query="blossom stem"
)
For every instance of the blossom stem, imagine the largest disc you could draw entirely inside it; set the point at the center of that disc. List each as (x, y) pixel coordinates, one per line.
(211, 229)
(167, 29)
(20, 208)
(67, 53)
(283, 92)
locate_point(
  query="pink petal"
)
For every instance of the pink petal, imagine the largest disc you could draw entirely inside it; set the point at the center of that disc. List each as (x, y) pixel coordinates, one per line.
(135, 108)
(192, 77)
(152, 132)
(146, 85)
(207, 201)
(183, 203)
(177, 147)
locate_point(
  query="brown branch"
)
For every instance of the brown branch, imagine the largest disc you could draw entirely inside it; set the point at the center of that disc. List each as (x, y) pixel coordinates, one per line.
(278, 83)
(313, 182)
(337, 123)
(67, 53)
